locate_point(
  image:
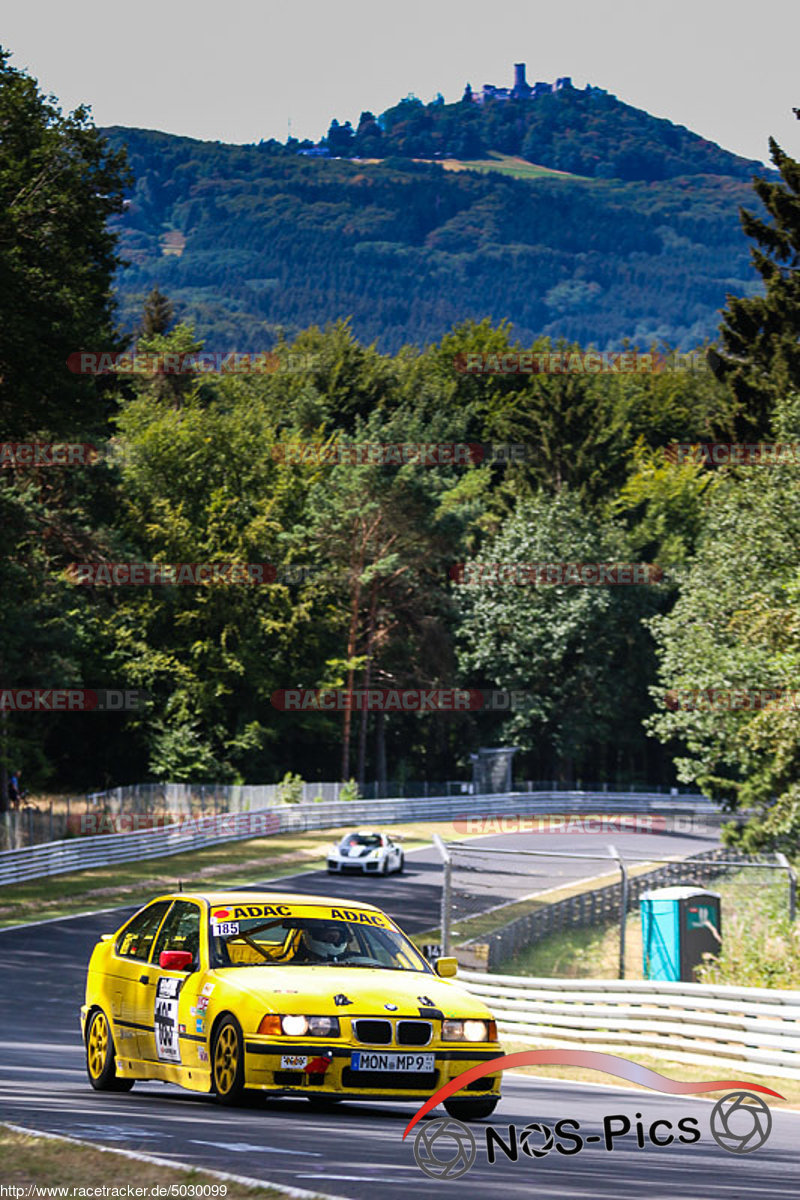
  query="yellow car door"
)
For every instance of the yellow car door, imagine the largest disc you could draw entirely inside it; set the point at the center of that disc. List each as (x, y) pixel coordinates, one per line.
(174, 1033)
(127, 975)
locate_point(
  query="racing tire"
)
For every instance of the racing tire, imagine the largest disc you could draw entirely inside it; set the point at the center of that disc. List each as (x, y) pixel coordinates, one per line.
(471, 1110)
(402, 865)
(100, 1054)
(227, 1062)
(385, 867)
(331, 870)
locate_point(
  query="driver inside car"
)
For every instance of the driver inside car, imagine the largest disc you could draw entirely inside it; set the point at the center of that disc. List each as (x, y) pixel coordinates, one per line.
(322, 942)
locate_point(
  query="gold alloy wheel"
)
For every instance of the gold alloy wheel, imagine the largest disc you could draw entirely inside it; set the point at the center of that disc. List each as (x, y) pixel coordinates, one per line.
(226, 1059)
(97, 1049)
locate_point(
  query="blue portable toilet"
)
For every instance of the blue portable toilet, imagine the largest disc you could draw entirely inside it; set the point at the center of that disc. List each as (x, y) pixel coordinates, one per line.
(679, 926)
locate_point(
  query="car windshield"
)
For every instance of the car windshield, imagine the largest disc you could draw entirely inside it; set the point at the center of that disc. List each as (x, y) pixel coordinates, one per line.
(308, 941)
(362, 839)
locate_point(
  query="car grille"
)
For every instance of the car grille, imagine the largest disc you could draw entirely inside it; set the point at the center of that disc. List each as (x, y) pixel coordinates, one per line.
(414, 1033)
(413, 1081)
(376, 1033)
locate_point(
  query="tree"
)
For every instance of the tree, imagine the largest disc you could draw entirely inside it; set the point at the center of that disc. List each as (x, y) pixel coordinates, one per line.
(760, 355)
(158, 314)
(734, 628)
(59, 184)
(340, 139)
(579, 652)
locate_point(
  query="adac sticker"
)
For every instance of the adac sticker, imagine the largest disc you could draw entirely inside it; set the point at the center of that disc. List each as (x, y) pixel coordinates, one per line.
(244, 912)
(358, 915)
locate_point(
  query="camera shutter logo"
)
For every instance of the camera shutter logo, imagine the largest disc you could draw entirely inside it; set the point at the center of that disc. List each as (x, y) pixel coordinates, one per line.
(740, 1127)
(444, 1148)
(527, 1143)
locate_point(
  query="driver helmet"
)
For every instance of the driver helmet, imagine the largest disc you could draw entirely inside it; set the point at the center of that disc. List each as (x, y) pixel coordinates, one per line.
(326, 939)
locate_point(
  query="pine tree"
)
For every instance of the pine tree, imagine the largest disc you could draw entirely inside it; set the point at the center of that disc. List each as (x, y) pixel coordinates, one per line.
(158, 313)
(760, 352)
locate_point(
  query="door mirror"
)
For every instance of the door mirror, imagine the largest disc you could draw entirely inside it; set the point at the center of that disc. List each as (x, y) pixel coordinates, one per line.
(446, 967)
(175, 960)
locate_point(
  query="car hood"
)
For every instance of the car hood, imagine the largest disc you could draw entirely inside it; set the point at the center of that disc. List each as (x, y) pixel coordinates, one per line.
(312, 990)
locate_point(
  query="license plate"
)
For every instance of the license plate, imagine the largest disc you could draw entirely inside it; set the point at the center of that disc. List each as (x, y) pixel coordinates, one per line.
(294, 1062)
(369, 1060)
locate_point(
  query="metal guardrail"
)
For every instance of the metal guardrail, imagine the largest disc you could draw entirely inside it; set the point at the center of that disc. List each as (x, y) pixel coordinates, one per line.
(753, 1029)
(76, 854)
(598, 906)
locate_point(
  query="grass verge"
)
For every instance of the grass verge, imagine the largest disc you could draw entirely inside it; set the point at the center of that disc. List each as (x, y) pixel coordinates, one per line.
(472, 929)
(30, 1161)
(229, 864)
(760, 947)
(789, 1088)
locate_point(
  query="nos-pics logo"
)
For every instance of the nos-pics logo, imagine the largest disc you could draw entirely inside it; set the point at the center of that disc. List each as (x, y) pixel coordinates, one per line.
(445, 1148)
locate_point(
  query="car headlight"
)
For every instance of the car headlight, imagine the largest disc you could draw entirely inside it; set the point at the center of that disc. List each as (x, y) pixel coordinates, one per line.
(469, 1031)
(374, 854)
(297, 1025)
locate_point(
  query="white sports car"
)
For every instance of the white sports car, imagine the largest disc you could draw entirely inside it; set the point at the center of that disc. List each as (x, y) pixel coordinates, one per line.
(366, 851)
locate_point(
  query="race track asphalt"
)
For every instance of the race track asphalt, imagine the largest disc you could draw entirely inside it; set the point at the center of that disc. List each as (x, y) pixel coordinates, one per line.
(357, 1151)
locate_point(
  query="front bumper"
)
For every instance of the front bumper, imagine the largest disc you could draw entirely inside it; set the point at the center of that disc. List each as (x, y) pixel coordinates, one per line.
(358, 866)
(331, 1074)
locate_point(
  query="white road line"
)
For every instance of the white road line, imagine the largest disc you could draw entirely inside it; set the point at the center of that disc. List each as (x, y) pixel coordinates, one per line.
(245, 1180)
(250, 1148)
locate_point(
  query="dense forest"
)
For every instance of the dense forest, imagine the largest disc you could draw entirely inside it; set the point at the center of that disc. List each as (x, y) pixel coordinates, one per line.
(583, 131)
(253, 242)
(196, 468)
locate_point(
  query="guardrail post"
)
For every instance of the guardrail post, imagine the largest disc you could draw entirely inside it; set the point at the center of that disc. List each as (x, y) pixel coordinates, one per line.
(784, 862)
(623, 907)
(447, 867)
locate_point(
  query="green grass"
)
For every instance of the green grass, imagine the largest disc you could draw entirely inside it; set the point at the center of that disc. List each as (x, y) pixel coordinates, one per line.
(789, 1088)
(759, 946)
(482, 924)
(229, 864)
(507, 164)
(31, 1162)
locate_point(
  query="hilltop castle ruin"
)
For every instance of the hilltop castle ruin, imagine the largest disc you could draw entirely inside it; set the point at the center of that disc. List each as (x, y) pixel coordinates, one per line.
(521, 90)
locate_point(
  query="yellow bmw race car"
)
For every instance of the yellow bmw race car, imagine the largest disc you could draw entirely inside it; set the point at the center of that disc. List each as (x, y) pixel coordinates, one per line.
(287, 994)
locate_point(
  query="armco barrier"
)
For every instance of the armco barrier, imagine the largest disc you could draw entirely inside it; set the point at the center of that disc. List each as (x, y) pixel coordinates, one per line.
(600, 906)
(76, 854)
(753, 1030)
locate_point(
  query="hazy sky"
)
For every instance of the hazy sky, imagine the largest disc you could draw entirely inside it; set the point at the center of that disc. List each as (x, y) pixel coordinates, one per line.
(241, 69)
